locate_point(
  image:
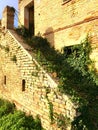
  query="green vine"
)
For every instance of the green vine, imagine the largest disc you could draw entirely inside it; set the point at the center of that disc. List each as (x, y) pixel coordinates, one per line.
(62, 121)
(77, 77)
(51, 111)
(50, 105)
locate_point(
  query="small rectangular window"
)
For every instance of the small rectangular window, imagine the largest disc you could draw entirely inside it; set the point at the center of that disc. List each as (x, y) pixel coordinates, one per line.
(23, 85)
(5, 80)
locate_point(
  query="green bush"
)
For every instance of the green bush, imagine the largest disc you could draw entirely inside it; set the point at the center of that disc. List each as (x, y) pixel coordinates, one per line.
(10, 119)
(5, 108)
(22, 31)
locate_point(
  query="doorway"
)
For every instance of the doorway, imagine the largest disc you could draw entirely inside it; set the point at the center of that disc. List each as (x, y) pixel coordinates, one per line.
(29, 18)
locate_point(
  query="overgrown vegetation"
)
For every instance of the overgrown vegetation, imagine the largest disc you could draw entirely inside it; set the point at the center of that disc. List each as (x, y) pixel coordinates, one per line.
(22, 31)
(14, 58)
(10, 119)
(77, 77)
(62, 121)
(50, 105)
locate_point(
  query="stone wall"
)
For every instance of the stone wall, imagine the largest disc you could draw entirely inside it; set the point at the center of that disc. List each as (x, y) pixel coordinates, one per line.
(65, 23)
(23, 12)
(8, 18)
(24, 82)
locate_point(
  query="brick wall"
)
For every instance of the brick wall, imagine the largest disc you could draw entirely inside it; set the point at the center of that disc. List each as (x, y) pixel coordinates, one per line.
(23, 14)
(65, 24)
(17, 65)
(8, 18)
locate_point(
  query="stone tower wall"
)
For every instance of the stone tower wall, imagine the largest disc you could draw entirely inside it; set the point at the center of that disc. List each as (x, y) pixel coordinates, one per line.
(8, 18)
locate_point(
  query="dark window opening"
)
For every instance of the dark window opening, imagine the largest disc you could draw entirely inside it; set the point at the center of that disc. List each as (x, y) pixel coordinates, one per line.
(23, 85)
(4, 80)
(31, 20)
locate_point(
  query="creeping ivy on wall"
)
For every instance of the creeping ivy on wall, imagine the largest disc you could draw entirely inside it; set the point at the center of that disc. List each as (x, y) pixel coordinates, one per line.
(77, 76)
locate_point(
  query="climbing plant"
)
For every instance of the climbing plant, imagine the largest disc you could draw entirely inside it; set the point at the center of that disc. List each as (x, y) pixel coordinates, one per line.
(50, 106)
(77, 77)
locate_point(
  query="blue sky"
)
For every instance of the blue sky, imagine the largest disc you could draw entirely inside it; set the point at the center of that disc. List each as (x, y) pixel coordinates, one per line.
(12, 3)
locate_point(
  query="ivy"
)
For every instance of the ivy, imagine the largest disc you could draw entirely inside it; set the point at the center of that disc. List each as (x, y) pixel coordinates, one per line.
(62, 121)
(50, 105)
(22, 31)
(77, 77)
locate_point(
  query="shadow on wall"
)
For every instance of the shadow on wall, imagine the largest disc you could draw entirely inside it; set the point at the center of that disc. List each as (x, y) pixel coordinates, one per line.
(49, 34)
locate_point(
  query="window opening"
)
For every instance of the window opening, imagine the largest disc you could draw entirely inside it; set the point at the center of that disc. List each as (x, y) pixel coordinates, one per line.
(23, 84)
(5, 80)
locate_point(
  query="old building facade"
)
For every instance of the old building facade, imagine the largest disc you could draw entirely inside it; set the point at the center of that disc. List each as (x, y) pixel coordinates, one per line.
(22, 79)
(63, 23)
(25, 83)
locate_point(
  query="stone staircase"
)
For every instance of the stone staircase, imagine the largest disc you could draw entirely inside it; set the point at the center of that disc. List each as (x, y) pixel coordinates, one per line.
(40, 90)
